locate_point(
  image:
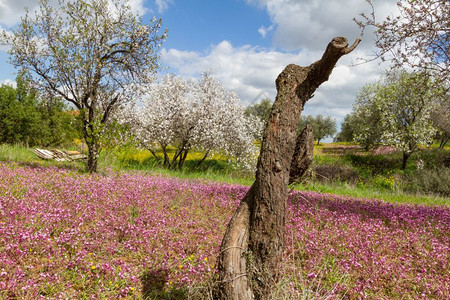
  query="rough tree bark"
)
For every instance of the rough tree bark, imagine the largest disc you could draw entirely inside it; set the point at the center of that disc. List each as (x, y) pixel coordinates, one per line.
(254, 240)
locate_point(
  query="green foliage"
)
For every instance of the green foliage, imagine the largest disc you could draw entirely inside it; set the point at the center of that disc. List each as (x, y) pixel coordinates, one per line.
(322, 126)
(261, 110)
(348, 128)
(335, 173)
(374, 164)
(398, 111)
(428, 181)
(360, 173)
(27, 120)
(19, 116)
(59, 124)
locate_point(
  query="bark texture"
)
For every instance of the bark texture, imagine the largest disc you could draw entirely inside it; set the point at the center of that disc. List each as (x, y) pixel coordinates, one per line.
(254, 240)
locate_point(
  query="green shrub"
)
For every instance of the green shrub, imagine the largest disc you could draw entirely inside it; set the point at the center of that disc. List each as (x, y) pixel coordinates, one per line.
(383, 182)
(26, 119)
(375, 164)
(335, 172)
(428, 181)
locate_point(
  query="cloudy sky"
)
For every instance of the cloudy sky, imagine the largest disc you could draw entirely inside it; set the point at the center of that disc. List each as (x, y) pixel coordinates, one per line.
(247, 43)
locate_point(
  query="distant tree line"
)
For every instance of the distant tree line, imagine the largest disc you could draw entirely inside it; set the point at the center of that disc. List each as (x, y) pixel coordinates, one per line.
(322, 127)
(27, 119)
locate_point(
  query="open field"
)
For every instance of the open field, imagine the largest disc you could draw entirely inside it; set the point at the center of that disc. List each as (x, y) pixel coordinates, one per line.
(336, 170)
(70, 235)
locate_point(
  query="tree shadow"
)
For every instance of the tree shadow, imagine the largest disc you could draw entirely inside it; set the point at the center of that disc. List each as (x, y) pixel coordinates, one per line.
(154, 286)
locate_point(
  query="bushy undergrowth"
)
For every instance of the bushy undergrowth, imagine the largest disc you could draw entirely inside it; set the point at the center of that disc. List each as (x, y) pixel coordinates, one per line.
(431, 181)
(427, 171)
(68, 235)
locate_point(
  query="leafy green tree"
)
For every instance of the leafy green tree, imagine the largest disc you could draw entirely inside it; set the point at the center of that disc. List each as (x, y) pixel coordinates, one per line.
(366, 115)
(261, 110)
(19, 116)
(97, 55)
(59, 123)
(403, 104)
(348, 128)
(26, 119)
(322, 126)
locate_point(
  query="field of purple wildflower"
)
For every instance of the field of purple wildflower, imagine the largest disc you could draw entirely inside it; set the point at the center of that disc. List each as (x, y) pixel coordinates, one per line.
(73, 236)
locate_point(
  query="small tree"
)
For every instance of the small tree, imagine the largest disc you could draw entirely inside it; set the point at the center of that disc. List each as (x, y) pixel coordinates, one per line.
(187, 115)
(322, 127)
(404, 103)
(93, 54)
(261, 109)
(348, 128)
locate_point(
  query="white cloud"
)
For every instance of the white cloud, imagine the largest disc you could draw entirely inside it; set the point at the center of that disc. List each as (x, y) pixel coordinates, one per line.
(252, 71)
(163, 5)
(8, 82)
(301, 24)
(138, 6)
(263, 31)
(296, 25)
(12, 10)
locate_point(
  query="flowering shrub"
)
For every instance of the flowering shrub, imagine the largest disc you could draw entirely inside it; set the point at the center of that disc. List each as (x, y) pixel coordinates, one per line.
(67, 235)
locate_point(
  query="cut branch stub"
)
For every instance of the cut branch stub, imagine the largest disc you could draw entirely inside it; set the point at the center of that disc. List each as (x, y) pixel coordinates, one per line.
(303, 154)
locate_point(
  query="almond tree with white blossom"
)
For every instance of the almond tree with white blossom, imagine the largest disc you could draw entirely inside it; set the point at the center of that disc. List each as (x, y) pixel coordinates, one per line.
(417, 37)
(188, 115)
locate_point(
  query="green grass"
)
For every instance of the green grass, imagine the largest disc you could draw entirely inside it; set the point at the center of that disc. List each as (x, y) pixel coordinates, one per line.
(25, 155)
(376, 172)
(393, 196)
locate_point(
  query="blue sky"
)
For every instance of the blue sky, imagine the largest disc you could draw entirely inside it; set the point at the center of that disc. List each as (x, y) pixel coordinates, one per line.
(247, 43)
(196, 25)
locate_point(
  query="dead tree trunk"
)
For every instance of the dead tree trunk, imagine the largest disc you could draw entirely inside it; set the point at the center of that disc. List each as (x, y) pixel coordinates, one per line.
(254, 240)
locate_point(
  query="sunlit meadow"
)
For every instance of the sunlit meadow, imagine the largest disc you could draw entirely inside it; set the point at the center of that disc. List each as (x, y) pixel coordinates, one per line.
(72, 236)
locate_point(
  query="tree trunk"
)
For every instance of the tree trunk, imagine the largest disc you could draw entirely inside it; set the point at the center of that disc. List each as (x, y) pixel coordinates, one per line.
(406, 155)
(182, 158)
(203, 159)
(254, 240)
(166, 162)
(92, 139)
(444, 141)
(93, 152)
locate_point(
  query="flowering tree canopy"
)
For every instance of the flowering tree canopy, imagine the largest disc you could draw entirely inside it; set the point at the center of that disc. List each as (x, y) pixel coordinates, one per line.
(94, 54)
(400, 109)
(190, 115)
(418, 37)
